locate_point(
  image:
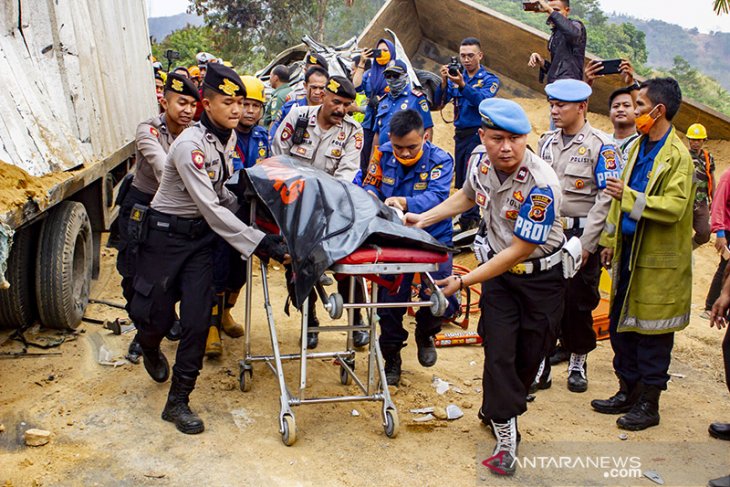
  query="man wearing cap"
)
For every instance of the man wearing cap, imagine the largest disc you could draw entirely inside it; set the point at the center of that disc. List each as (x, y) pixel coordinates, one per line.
(400, 96)
(178, 232)
(152, 141)
(279, 81)
(312, 59)
(252, 146)
(584, 158)
(315, 81)
(329, 139)
(519, 245)
(704, 179)
(411, 174)
(467, 88)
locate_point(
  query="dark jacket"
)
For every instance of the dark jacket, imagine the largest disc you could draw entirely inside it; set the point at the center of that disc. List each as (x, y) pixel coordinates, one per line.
(567, 48)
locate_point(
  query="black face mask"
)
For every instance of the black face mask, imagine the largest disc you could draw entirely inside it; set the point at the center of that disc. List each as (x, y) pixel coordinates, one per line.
(223, 135)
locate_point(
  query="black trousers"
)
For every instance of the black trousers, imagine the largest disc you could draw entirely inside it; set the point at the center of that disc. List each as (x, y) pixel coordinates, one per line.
(465, 141)
(638, 358)
(125, 257)
(367, 148)
(229, 269)
(581, 298)
(170, 268)
(716, 287)
(519, 321)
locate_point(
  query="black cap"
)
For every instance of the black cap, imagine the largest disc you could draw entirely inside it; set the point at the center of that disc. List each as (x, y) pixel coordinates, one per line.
(223, 80)
(341, 86)
(181, 85)
(314, 59)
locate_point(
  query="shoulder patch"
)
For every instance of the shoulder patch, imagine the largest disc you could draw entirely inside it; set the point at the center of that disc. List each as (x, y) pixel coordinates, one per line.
(424, 105)
(493, 89)
(198, 158)
(154, 132)
(609, 165)
(536, 216)
(436, 172)
(358, 140)
(287, 132)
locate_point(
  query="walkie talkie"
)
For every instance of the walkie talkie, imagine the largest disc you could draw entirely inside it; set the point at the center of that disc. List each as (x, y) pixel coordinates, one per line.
(300, 128)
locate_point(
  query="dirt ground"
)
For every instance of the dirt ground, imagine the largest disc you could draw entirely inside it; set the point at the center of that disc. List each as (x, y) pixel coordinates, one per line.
(107, 429)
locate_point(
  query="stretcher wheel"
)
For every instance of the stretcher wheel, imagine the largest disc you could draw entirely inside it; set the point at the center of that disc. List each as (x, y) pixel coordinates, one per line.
(438, 304)
(245, 379)
(289, 434)
(335, 306)
(345, 378)
(391, 423)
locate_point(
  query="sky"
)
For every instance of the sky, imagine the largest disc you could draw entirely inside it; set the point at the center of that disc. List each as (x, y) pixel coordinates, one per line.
(687, 13)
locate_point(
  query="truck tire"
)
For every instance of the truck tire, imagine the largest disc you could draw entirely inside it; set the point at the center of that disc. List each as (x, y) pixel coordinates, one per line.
(63, 266)
(17, 303)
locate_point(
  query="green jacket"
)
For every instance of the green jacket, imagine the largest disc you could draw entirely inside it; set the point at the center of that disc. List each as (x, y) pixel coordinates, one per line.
(278, 97)
(660, 287)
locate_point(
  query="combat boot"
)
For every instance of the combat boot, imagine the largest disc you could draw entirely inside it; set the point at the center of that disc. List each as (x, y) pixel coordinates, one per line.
(502, 461)
(543, 378)
(174, 334)
(427, 355)
(645, 412)
(134, 352)
(213, 344)
(577, 373)
(232, 328)
(360, 338)
(619, 403)
(393, 363)
(155, 363)
(312, 338)
(177, 410)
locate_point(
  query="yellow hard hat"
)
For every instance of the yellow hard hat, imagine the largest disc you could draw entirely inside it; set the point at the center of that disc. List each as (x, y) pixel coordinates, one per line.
(254, 88)
(697, 131)
(194, 71)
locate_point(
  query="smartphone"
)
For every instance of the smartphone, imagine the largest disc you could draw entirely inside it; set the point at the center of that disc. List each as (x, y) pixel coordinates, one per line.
(610, 66)
(377, 53)
(531, 6)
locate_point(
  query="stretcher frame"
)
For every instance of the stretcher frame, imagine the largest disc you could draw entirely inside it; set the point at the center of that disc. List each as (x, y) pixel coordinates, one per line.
(374, 386)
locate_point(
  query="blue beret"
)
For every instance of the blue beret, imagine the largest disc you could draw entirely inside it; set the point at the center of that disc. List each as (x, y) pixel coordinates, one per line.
(570, 90)
(501, 114)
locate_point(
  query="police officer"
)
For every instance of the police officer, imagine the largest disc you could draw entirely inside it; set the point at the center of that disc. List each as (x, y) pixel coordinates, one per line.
(329, 139)
(522, 281)
(252, 146)
(411, 174)
(152, 141)
(583, 157)
(467, 88)
(400, 96)
(311, 60)
(177, 235)
(315, 81)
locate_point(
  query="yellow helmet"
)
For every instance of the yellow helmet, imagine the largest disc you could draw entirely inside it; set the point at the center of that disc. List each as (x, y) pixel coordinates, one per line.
(194, 71)
(254, 88)
(697, 131)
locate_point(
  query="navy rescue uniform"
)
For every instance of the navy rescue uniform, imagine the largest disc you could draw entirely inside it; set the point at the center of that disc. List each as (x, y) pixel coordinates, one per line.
(410, 99)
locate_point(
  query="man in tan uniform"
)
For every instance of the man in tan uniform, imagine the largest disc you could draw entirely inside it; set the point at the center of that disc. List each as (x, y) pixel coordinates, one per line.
(583, 157)
(177, 235)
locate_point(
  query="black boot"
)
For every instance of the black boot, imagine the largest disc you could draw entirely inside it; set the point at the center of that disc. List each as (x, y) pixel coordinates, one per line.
(578, 373)
(426, 350)
(360, 338)
(619, 403)
(155, 363)
(312, 338)
(645, 412)
(134, 353)
(393, 363)
(177, 410)
(559, 355)
(174, 334)
(544, 378)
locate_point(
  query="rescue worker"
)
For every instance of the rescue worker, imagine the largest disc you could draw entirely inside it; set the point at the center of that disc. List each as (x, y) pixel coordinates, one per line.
(177, 234)
(315, 81)
(195, 75)
(401, 96)
(648, 244)
(252, 146)
(311, 60)
(331, 141)
(583, 158)
(704, 179)
(466, 88)
(279, 81)
(411, 174)
(520, 241)
(152, 141)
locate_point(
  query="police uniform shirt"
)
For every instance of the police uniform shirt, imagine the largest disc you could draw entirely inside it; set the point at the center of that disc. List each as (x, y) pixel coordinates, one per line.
(152, 142)
(192, 186)
(335, 151)
(301, 102)
(481, 86)
(582, 166)
(251, 148)
(388, 106)
(524, 205)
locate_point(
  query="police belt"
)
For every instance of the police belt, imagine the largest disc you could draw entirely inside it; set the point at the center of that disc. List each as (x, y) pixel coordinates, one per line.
(189, 227)
(570, 223)
(466, 132)
(534, 266)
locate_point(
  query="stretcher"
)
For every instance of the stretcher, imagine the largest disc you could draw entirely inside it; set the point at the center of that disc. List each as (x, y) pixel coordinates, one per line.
(370, 264)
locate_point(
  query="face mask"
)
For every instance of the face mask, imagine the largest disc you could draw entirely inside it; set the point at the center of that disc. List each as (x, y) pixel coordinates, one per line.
(397, 85)
(645, 122)
(384, 58)
(410, 162)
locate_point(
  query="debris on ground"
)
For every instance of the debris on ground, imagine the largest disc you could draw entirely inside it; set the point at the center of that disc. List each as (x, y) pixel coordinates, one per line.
(654, 477)
(441, 385)
(36, 437)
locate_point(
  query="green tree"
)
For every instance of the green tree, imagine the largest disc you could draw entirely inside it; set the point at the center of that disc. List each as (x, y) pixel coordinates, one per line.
(188, 42)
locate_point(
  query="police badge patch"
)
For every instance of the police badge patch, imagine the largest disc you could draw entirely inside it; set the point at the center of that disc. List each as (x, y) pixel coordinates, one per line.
(287, 132)
(154, 132)
(198, 158)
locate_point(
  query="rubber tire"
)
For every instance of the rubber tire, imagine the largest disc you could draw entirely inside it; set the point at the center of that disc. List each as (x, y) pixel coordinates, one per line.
(245, 380)
(391, 423)
(63, 266)
(289, 435)
(17, 303)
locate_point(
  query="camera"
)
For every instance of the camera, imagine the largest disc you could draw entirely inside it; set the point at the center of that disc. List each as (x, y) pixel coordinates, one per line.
(531, 6)
(377, 53)
(454, 66)
(170, 55)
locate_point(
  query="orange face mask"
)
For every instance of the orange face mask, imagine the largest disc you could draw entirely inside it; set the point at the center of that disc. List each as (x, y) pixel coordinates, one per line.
(384, 58)
(645, 122)
(409, 162)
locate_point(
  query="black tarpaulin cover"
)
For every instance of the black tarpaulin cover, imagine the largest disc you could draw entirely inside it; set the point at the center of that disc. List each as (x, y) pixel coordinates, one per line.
(324, 219)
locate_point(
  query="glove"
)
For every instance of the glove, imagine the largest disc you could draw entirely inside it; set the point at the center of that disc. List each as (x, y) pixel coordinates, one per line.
(272, 246)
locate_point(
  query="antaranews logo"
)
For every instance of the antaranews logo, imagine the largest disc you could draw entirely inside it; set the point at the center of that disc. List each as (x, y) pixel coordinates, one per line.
(495, 462)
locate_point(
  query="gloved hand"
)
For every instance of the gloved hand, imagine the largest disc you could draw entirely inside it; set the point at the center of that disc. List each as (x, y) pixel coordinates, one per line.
(274, 247)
